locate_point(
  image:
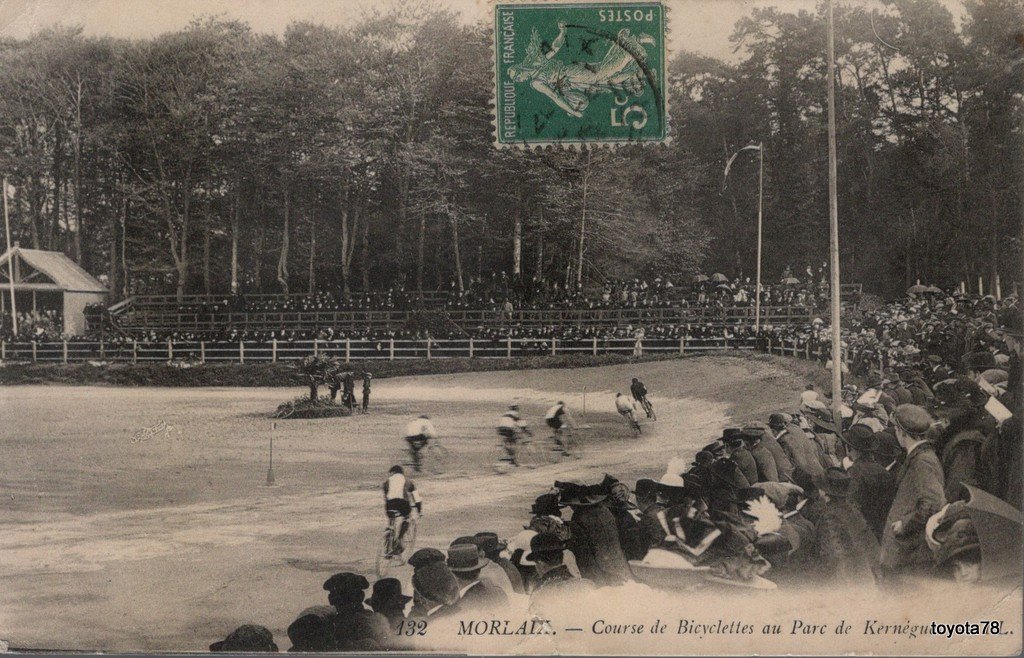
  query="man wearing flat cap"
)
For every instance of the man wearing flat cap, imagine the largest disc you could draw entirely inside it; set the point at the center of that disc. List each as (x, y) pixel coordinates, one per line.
(872, 488)
(434, 591)
(919, 494)
(355, 627)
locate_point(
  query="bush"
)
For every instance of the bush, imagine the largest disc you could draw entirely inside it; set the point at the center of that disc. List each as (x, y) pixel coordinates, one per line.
(303, 407)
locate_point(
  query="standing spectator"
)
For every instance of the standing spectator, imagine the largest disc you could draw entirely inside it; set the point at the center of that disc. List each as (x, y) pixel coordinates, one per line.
(919, 494)
(847, 548)
(366, 391)
(593, 535)
(871, 486)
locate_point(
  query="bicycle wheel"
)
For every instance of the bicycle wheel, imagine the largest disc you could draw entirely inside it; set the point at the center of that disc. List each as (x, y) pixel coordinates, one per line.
(570, 447)
(409, 540)
(384, 554)
(436, 458)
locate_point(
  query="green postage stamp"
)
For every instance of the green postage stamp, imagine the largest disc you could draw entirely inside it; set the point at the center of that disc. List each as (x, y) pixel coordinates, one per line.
(580, 73)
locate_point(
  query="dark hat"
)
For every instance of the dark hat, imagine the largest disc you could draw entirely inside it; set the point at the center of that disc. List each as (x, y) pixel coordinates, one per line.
(489, 543)
(730, 432)
(436, 582)
(912, 419)
(387, 591)
(703, 458)
(249, 638)
(608, 483)
(424, 556)
(645, 487)
(734, 440)
(837, 482)
(887, 447)
(716, 448)
(860, 437)
(313, 629)
(546, 505)
(465, 557)
(545, 543)
(752, 434)
(726, 471)
(778, 421)
(961, 542)
(978, 361)
(465, 539)
(580, 495)
(822, 422)
(346, 582)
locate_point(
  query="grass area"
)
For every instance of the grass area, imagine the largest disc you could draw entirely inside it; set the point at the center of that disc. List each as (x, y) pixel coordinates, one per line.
(284, 374)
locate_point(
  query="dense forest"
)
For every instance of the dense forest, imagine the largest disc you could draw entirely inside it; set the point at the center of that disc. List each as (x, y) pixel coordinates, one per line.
(360, 157)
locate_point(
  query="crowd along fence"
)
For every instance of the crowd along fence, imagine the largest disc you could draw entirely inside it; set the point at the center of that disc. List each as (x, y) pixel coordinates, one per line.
(272, 351)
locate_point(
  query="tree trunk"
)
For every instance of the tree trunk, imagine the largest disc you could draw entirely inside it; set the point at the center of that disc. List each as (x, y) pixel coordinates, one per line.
(583, 226)
(124, 248)
(517, 236)
(366, 255)
(234, 242)
(540, 257)
(457, 253)
(282, 261)
(312, 253)
(206, 250)
(420, 252)
(79, 219)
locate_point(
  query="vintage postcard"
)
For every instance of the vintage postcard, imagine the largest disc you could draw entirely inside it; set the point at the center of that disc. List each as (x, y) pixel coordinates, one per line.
(672, 327)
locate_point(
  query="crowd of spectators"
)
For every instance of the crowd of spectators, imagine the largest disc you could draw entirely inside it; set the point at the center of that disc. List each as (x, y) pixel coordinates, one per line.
(905, 490)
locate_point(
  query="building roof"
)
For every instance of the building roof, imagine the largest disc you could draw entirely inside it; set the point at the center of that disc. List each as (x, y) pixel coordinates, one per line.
(64, 273)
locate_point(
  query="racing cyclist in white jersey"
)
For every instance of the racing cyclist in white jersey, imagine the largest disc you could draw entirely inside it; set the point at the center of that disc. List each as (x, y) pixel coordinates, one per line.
(510, 428)
(400, 496)
(418, 434)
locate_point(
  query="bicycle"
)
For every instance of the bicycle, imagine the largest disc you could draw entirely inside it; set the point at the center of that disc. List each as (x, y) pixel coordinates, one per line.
(522, 452)
(433, 456)
(564, 444)
(648, 408)
(387, 557)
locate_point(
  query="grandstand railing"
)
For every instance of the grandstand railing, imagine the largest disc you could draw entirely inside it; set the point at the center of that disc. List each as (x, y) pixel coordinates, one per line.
(465, 318)
(346, 350)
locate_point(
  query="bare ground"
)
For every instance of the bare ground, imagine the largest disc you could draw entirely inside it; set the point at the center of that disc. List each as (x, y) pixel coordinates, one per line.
(115, 540)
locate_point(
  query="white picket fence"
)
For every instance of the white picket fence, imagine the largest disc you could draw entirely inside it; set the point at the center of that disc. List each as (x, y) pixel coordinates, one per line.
(273, 351)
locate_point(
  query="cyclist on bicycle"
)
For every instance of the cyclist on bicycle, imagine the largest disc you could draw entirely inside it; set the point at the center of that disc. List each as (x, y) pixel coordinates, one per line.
(639, 392)
(625, 408)
(510, 428)
(418, 434)
(558, 419)
(399, 497)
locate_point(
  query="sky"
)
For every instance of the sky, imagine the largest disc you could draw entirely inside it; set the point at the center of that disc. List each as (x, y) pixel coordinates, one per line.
(701, 26)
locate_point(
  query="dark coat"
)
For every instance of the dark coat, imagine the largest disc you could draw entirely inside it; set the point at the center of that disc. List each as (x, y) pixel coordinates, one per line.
(746, 462)
(512, 572)
(594, 542)
(919, 495)
(634, 546)
(872, 489)
(559, 587)
(962, 461)
(359, 629)
(782, 463)
(805, 454)
(651, 530)
(481, 595)
(1003, 453)
(767, 471)
(847, 547)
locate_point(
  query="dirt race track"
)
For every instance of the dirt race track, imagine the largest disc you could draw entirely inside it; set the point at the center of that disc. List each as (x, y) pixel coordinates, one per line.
(113, 540)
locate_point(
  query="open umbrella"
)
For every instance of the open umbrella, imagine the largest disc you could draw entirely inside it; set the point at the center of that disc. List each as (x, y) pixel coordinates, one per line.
(718, 277)
(700, 278)
(724, 286)
(1000, 528)
(916, 290)
(934, 290)
(791, 281)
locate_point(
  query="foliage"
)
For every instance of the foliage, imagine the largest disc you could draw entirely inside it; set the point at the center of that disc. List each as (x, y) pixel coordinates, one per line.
(360, 157)
(303, 407)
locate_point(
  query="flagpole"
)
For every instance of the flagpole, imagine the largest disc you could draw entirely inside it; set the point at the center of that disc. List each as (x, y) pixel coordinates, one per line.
(10, 261)
(760, 203)
(833, 214)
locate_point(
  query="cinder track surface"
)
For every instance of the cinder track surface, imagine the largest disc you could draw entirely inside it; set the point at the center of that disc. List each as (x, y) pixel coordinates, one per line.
(115, 540)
